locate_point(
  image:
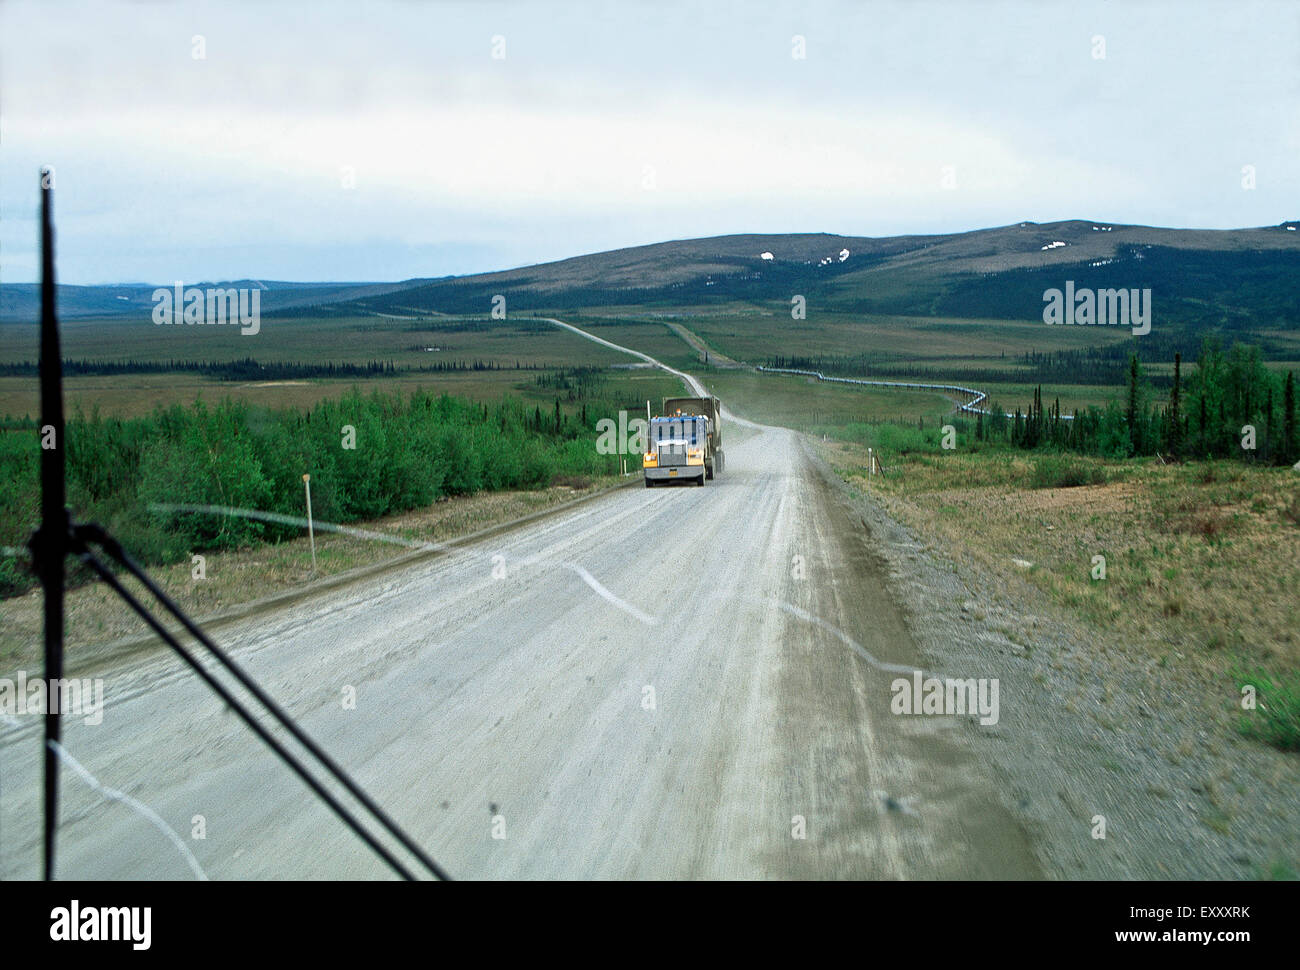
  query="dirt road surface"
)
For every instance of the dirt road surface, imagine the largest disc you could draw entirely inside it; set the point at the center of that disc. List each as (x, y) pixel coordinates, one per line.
(665, 683)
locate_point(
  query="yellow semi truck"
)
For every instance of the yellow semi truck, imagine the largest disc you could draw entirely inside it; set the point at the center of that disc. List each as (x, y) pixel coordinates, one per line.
(684, 442)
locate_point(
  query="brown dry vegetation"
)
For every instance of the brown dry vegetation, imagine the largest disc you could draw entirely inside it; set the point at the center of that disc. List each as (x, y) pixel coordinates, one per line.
(1202, 560)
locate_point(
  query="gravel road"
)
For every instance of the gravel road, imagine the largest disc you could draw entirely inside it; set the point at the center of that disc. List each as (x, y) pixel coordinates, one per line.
(659, 684)
(664, 683)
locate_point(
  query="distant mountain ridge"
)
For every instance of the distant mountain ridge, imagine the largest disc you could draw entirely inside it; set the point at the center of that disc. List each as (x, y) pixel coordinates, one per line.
(20, 302)
(1204, 275)
(1214, 277)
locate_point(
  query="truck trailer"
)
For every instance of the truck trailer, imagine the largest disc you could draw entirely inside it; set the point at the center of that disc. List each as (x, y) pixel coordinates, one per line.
(685, 441)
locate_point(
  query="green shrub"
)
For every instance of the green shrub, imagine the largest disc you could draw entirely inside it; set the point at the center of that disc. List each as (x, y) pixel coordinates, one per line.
(1276, 717)
(1058, 471)
(409, 452)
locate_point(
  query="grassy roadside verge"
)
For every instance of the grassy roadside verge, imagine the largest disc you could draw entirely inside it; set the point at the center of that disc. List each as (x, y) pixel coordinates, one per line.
(1202, 560)
(236, 576)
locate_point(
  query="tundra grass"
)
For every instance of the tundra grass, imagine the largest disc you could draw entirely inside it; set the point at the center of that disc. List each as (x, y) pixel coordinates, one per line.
(1191, 565)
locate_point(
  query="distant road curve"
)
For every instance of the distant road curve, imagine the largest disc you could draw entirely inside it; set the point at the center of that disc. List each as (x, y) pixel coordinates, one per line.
(977, 397)
(971, 406)
(695, 386)
(709, 355)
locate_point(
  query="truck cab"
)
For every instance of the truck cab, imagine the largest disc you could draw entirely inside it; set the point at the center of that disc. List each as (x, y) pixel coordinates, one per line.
(676, 449)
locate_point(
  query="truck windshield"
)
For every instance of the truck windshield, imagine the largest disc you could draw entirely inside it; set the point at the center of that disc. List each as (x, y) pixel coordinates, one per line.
(679, 431)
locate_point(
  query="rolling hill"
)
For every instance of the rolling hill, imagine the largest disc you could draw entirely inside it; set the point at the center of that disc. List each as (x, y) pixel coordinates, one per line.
(1232, 280)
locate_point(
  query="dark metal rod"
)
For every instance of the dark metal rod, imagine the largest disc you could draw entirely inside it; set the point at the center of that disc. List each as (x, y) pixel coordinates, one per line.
(55, 538)
(50, 544)
(350, 820)
(95, 534)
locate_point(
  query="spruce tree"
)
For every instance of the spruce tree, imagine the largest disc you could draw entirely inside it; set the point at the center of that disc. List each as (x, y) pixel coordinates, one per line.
(1268, 425)
(1175, 406)
(1134, 435)
(1290, 438)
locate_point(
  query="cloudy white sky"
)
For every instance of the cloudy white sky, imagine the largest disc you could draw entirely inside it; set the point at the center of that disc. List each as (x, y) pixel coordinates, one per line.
(616, 124)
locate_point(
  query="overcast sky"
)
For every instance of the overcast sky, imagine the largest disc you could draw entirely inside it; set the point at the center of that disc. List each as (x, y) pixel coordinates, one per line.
(384, 141)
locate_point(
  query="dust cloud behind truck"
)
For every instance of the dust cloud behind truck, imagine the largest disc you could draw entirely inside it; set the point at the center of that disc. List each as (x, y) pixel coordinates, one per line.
(684, 441)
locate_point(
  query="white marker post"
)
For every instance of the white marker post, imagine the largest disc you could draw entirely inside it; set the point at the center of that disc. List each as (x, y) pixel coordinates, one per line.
(311, 532)
(871, 464)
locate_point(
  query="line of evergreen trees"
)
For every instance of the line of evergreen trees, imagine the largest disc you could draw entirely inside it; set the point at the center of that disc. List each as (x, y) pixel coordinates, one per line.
(244, 369)
(1231, 406)
(408, 452)
(462, 366)
(250, 369)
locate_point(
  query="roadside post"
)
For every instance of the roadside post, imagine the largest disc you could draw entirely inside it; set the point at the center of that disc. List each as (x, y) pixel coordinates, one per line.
(311, 532)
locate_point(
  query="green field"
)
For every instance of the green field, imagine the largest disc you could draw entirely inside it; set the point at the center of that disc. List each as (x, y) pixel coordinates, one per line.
(930, 340)
(804, 403)
(322, 339)
(512, 355)
(484, 360)
(649, 336)
(134, 395)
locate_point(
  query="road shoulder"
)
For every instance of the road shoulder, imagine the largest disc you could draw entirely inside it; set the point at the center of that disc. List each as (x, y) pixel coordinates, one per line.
(1077, 740)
